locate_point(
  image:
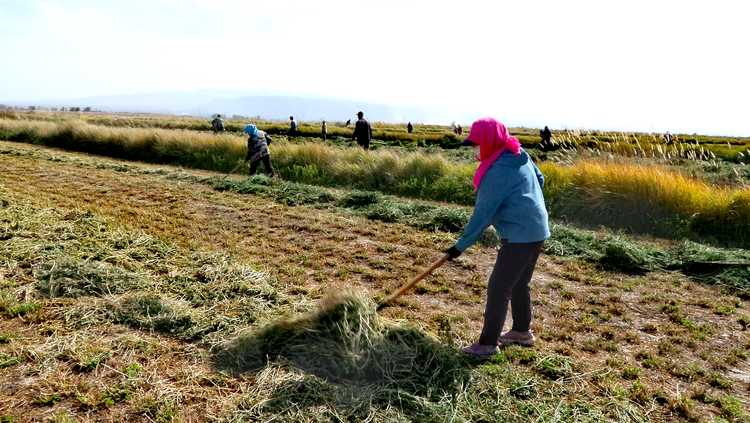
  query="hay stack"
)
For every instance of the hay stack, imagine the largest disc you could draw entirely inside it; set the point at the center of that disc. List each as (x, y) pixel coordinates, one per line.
(344, 340)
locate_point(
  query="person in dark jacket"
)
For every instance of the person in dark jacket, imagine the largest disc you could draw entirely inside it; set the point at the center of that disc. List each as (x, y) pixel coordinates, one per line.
(546, 135)
(293, 127)
(362, 131)
(409, 127)
(218, 124)
(509, 197)
(257, 150)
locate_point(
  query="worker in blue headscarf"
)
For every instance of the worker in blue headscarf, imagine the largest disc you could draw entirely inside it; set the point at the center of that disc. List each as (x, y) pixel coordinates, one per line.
(257, 149)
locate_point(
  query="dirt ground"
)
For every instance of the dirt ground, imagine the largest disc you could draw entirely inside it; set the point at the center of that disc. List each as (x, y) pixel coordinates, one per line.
(598, 318)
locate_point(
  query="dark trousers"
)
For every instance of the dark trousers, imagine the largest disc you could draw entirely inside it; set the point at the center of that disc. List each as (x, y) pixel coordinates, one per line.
(509, 282)
(364, 144)
(266, 162)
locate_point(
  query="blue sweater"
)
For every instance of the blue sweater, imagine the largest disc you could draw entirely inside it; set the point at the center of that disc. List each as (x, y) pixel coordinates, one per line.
(510, 199)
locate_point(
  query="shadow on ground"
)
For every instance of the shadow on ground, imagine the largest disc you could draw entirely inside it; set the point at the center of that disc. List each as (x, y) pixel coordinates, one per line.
(344, 345)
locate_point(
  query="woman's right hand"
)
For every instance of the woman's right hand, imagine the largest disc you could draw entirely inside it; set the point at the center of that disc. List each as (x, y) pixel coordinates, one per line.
(452, 252)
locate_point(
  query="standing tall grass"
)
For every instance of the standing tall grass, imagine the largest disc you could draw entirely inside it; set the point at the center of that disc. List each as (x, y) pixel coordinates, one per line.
(394, 133)
(648, 199)
(184, 148)
(415, 174)
(650, 145)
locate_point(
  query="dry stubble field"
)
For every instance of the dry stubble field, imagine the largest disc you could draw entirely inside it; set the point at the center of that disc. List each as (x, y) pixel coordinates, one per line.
(625, 336)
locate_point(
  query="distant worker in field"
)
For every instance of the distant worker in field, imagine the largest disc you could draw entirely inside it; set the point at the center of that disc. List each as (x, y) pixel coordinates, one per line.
(324, 130)
(348, 122)
(362, 131)
(218, 124)
(409, 127)
(257, 150)
(668, 138)
(546, 135)
(459, 130)
(509, 197)
(293, 128)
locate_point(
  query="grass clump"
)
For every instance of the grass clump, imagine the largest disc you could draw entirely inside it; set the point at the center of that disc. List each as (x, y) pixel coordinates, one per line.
(728, 268)
(49, 400)
(10, 307)
(343, 340)
(565, 241)
(291, 194)
(631, 373)
(744, 321)
(620, 253)
(422, 216)
(78, 279)
(215, 277)
(613, 252)
(626, 256)
(152, 312)
(159, 410)
(7, 337)
(342, 360)
(357, 199)
(89, 360)
(7, 360)
(387, 211)
(555, 367)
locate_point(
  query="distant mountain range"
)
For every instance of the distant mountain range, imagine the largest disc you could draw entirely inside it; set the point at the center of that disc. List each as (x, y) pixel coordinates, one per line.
(254, 103)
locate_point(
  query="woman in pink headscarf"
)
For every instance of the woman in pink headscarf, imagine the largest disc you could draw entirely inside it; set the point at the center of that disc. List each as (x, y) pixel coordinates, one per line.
(509, 197)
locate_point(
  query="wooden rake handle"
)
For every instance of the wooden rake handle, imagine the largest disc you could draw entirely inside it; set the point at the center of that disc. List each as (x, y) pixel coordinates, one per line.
(411, 283)
(235, 168)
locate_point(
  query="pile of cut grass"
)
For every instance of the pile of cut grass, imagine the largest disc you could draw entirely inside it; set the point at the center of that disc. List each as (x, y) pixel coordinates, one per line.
(74, 279)
(342, 359)
(612, 252)
(726, 268)
(126, 277)
(344, 340)
(370, 204)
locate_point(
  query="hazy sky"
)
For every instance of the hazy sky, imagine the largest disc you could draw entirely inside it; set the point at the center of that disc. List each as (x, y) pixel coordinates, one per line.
(678, 66)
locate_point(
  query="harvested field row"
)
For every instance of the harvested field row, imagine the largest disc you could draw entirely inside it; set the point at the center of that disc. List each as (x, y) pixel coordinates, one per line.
(121, 283)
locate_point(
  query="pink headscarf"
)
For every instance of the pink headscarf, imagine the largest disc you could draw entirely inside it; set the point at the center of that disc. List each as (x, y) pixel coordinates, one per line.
(493, 138)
